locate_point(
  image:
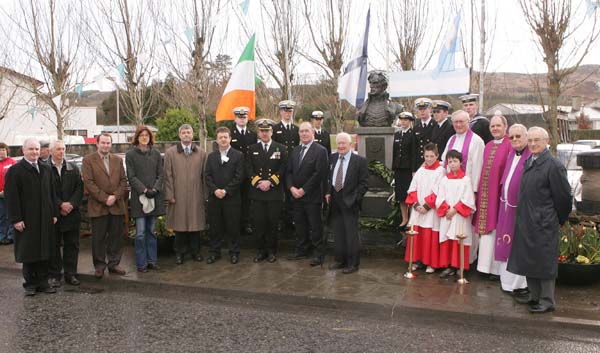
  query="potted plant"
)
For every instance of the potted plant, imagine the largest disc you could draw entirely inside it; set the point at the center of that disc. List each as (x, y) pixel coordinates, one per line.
(579, 256)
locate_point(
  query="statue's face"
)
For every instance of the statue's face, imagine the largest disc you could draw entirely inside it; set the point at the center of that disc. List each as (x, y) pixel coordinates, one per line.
(377, 85)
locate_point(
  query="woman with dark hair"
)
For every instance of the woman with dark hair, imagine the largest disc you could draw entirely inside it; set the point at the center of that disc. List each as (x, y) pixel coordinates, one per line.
(145, 173)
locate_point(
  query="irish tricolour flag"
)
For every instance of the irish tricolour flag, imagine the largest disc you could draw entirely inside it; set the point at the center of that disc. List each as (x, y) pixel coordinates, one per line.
(240, 88)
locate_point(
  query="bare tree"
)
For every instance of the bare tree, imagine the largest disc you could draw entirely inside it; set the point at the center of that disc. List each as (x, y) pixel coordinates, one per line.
(554, 23)
(278, 53)
(187, 51)
(48, 36)
(329, 38)
(124, 38)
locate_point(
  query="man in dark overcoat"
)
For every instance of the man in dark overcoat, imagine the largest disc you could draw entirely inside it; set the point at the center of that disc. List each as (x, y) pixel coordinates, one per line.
(30, 201)
(224, 175)
(544, 204)
(68, 186)
(306, 174)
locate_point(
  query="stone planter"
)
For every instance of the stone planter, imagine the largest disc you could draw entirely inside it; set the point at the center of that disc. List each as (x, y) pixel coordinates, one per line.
(578, 274)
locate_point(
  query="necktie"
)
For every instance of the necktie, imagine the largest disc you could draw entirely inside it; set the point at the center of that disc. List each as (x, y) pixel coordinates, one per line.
(265, 147)
(35, 165)
(187, 150)
(243, 132)
(339, 177)
(301, 154)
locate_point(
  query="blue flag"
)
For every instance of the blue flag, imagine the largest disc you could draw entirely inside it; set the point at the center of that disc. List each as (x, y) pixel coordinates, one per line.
(352, 84)
(446, 59)
(244, 6)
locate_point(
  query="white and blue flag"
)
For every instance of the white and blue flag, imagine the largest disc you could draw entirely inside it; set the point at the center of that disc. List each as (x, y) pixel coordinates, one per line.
(352, 84)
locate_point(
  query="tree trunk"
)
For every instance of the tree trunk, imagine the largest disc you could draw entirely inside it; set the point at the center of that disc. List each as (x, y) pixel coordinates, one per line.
(553, 94)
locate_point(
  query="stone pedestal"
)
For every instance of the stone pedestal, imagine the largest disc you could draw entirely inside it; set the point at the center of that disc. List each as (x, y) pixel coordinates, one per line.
(376, 143)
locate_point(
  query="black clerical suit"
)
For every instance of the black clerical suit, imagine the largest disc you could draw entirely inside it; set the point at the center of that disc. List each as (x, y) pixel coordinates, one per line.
(307, 170)
(225, 173)
(422, 136)
(441, 134)
(266, 205)
(242, 142)
(345, 207)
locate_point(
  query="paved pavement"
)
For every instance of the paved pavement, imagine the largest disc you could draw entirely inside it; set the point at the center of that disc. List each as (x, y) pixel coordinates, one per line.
(379, 286)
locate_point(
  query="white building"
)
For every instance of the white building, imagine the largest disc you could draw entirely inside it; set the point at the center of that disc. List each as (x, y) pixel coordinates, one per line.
(23, 116)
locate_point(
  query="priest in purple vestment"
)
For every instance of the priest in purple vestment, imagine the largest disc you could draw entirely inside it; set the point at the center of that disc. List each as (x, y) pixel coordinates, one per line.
(488, 195)
(509, 198)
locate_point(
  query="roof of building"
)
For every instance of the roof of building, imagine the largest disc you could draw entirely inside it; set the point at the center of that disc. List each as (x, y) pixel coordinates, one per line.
(518, 108)
(11, 72)
(124, 128)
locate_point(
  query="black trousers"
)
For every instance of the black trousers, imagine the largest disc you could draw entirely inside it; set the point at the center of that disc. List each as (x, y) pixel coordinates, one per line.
(245, 210)
(345, 231)
(187, 242)
(224, 220)
(107, 240)
(309, 228)
(67, 258)
(265, 216)
(35, 274)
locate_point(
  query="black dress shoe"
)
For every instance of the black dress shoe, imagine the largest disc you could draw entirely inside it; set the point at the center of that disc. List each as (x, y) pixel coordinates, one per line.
(349, 270)
(259, 257)
(212, 259)
(198, 258)
(179, 259)
(29, 292)
(234, 259)
(525, 299)
(47, 290)
(117, 271)
(317, 261)
(539, 308)
(6, 242)
(337, 266)
(271, 258)
(494, 278)
(448, 272)
(154, 267)
(72, 280)
(297, 256)
(54, 283)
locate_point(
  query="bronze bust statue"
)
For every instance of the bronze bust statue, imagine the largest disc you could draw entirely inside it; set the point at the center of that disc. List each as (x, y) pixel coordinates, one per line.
(378, 110)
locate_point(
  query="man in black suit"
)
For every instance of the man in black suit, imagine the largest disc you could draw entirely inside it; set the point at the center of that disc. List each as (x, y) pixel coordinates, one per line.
(306, 172)
(348, 178)
(241, 138)
(224, 173)
(422, 130)
(321, 135)
(68, 186)
(478, 123)
(442, 129)
(266, 166)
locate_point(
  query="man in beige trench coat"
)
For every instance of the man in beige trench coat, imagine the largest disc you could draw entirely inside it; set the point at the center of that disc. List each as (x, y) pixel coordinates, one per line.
(185, 194)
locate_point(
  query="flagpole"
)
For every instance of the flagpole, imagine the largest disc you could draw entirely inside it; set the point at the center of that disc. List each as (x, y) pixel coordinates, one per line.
(482, 57)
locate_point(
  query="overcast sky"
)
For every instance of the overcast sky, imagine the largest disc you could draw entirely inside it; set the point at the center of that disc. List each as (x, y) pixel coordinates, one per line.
(513, 48)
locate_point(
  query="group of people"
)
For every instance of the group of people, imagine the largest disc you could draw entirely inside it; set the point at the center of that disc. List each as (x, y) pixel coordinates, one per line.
(460, 177)
(481, 189)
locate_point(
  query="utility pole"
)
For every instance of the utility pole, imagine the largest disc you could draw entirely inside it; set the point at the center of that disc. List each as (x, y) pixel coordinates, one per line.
(482, 57)
(387, 35)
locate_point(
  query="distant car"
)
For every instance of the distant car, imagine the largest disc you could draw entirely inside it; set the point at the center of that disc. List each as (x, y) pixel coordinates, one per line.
(592, 143)
(567, 154)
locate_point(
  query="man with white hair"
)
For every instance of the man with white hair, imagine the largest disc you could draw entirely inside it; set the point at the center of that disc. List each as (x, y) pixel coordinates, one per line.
(348, 178)
(509, 197)
(69, 193)
(544, 204)
(471, 146)
(31, 201)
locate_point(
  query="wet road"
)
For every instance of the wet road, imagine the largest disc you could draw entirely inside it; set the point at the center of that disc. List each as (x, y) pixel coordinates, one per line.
(118, 316)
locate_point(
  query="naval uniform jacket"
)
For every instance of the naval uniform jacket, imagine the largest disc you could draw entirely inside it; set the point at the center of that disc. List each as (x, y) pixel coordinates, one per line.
(271, 166)
(324, 140)
(289, 138)
(242, 142)
(422, 136)
(402, 155)
(481, 126)
(442, 134)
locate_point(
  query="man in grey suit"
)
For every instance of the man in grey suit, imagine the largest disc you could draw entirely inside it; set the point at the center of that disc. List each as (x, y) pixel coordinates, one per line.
(347, 186)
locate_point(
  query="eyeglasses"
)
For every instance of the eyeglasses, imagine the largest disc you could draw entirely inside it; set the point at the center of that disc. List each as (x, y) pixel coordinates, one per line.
(514, 137)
